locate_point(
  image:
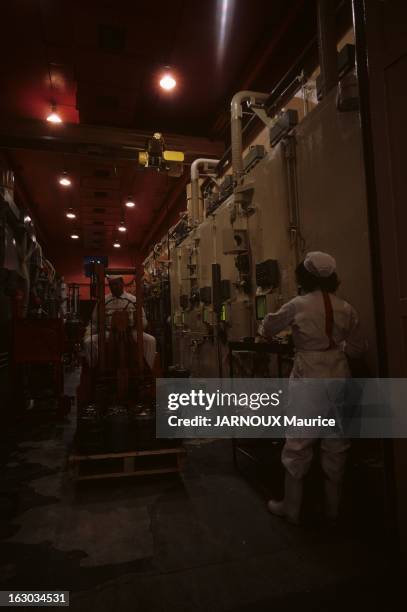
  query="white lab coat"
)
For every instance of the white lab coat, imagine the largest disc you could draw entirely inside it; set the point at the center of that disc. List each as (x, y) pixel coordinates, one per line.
(306, 316)
(126, 302)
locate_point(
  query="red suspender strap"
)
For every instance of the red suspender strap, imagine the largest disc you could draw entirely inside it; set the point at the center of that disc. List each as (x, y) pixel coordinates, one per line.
(329, 318)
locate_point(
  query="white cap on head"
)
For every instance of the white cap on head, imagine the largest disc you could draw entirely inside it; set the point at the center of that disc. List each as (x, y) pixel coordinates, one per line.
(319, 264)
(114, 277)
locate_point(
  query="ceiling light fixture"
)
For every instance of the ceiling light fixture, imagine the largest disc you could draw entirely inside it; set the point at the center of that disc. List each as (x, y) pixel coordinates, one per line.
(75, 236)
(27, 219)
(130, 203)
(70, 214)
(64, 180)
(116, 244)
(122, 227)
(54, 117)
(167, 82)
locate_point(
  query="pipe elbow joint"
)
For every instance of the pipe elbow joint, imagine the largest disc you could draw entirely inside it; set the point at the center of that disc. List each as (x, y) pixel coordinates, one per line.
(197, 163)
(255, 97)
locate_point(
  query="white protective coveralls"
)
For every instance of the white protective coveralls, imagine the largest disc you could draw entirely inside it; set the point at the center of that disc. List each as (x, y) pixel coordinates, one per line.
(321, 352)
(305, 314)
(126, 302)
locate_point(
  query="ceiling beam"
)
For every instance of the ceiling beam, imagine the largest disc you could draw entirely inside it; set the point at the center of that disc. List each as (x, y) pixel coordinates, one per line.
(97, 140)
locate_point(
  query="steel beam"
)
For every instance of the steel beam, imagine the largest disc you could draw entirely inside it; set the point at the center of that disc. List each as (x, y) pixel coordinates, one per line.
(101, 141)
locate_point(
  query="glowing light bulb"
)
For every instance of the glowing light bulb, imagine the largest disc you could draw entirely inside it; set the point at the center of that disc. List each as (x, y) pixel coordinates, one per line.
(168, 82)
(70, 214)
(54, 117)
(74, 236)
(64, 180)
(130, 203)
(122, 227)
(116, 245)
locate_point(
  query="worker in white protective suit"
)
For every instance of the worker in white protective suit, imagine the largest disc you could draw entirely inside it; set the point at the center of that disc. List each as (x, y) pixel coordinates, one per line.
(325, 332)
(118, 300)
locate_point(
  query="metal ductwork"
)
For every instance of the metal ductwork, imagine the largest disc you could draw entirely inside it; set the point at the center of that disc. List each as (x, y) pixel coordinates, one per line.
(208, 166)
(254, 98)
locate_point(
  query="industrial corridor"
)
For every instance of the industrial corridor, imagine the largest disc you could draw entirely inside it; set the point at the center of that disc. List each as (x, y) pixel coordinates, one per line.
(203, 290)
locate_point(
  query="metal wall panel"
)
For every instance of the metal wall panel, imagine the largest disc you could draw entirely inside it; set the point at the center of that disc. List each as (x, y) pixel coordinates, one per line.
(332, 202)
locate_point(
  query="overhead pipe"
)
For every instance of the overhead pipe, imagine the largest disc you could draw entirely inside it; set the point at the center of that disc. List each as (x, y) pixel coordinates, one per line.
(278, 92)
(328, 55)
(260, 61)
(255, 98)
(209, 167)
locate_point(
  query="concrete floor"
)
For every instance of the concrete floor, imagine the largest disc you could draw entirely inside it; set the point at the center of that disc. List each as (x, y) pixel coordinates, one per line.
(200, 542)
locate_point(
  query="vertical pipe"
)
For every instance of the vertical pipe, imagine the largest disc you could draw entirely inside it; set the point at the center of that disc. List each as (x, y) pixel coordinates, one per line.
(209, 165)
(327, 45)
(362, 68)
(195, 201)
(236, 126)
(237, 147)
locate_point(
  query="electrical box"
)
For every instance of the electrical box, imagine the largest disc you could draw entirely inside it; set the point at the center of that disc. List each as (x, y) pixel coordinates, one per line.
(267, 274)
(282, 125)
(205, 294)
(234, 241)
(255, 154)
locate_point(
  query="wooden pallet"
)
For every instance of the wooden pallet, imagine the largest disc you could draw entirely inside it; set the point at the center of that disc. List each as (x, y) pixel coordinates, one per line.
(132, 463)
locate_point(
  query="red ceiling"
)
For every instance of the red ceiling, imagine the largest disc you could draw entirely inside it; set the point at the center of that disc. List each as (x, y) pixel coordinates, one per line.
(59, 51)
(97, 201)
(99, 61)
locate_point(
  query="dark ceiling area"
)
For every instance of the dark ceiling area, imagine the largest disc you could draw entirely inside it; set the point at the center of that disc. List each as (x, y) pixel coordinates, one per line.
(100, 63)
